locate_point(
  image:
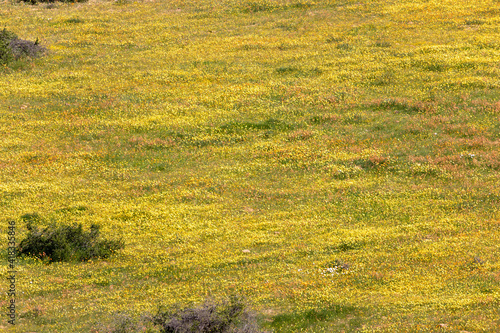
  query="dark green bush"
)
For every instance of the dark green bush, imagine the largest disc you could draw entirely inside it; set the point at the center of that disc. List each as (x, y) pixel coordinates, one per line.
(65, 243)
(210, 317)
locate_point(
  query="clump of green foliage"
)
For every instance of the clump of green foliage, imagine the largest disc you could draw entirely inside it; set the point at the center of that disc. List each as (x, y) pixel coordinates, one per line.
(13, 48)
(209, 317)
(65, 243)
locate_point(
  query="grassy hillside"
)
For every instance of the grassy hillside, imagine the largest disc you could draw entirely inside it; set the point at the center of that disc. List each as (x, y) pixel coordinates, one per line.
(337, 162)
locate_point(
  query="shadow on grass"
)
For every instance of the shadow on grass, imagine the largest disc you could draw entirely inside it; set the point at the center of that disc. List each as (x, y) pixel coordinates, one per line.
(335, 318)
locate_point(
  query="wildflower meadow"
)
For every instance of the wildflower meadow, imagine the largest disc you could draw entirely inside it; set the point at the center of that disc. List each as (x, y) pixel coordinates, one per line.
(333, 163)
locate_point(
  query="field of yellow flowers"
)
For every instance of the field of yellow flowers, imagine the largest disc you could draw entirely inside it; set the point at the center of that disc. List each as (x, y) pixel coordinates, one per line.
(336, 162)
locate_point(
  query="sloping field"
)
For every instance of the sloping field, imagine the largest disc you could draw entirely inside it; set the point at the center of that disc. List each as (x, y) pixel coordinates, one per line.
(336, 162)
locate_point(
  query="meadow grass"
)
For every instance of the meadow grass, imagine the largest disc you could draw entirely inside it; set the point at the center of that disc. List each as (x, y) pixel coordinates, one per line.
(351, 148)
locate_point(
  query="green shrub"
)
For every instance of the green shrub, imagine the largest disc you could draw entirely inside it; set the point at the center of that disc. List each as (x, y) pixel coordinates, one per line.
(65, 243)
